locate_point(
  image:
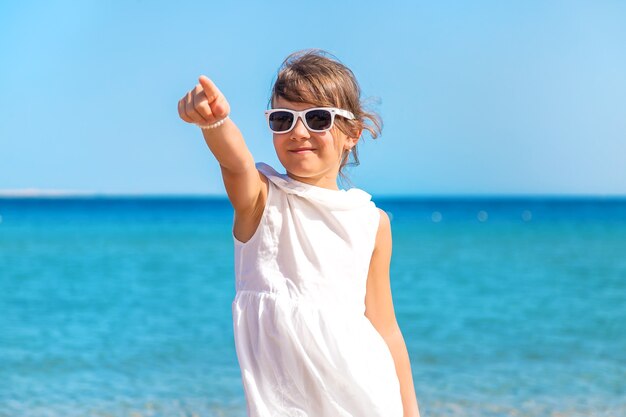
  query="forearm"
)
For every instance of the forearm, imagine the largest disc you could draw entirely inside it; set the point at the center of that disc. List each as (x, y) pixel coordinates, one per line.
(400, 355)
(228, 146)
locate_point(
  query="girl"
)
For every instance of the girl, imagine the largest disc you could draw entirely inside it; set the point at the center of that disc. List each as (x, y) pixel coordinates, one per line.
(314, 324)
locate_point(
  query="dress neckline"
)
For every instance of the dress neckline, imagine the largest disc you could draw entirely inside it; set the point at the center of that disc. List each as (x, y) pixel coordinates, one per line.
(334, 199)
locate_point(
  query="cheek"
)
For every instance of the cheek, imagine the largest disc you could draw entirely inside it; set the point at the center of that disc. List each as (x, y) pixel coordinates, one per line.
(278, 142)
(326, 140)
(335, 141)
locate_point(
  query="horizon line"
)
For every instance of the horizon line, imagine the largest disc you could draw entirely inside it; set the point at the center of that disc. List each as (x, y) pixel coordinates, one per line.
(27, 193)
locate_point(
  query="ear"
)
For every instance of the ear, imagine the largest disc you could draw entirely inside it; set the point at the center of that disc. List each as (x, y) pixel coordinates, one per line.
(352, 141)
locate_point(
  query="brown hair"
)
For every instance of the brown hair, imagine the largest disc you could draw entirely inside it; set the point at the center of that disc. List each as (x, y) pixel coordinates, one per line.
(317, 77)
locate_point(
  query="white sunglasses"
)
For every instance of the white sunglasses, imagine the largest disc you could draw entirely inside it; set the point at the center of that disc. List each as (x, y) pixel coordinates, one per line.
(316, 119)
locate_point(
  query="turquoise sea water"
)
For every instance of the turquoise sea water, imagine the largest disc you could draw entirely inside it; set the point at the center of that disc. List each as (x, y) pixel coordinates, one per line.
(122, 306)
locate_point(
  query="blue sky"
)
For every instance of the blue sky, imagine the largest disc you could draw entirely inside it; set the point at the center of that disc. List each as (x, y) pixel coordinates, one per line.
(483, 97)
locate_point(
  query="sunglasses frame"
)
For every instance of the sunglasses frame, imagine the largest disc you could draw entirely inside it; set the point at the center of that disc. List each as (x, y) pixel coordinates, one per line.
(334, 111)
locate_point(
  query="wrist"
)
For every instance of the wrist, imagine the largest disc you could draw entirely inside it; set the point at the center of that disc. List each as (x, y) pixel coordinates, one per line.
(205, 126)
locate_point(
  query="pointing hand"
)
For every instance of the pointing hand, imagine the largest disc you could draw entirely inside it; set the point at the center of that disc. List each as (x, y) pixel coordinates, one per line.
(204, 104)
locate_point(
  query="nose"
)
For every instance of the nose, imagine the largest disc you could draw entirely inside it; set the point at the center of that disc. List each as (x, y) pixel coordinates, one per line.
(300, 130)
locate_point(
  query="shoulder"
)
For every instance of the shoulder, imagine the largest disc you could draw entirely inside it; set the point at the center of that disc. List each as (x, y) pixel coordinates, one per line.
(384, 218)
(264, 172)
(247, 219)
(264, 192)
(383, 235)
(264, 179)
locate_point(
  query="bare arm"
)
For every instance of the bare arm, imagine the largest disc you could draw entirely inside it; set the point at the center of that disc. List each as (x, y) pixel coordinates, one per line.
(379, 310)
(206, 104)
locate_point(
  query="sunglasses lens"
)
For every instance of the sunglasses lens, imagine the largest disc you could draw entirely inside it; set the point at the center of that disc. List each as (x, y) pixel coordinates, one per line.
(319, 119)
(280, 121)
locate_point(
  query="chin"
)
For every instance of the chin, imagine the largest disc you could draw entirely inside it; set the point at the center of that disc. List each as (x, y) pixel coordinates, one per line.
(300, 168)
(299, 171)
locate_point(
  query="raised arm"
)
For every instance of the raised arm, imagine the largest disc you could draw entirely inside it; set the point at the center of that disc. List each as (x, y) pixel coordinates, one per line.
(205, 104)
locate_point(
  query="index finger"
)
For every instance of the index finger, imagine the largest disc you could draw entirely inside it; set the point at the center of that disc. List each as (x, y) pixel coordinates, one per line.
(210, 89)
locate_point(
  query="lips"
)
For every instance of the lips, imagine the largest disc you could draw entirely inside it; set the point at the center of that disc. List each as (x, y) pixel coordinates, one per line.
(299, 150)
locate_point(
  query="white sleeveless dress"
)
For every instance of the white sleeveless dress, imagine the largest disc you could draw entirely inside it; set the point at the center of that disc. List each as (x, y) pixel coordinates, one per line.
(304, 345)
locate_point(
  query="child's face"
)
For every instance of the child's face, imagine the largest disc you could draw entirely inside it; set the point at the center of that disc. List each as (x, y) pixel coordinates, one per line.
(311, 157)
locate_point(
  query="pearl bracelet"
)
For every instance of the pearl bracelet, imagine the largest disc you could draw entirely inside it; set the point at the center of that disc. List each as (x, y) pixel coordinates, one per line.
(213, 125)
